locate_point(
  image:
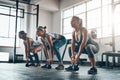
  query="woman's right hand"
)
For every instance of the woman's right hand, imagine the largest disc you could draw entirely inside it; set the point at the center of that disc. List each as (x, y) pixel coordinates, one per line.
(73, 60)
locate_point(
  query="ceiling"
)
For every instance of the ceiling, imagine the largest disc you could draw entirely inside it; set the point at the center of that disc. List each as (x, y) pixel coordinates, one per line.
(49, 5)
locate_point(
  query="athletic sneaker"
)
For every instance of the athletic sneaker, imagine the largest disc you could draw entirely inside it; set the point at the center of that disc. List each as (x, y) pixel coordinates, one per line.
(49, 66)
(32, 64)
(27, 65)
(59, 67)
(46, 66)
(70, 68)
(92, 70)
(38, 64)
(75, 68)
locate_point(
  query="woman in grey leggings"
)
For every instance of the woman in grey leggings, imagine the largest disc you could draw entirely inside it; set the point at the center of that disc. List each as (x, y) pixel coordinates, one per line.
(81, 43)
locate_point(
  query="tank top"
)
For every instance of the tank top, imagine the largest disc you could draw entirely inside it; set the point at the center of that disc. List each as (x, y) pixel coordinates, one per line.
(33, 44)
(54, 36)
(89, 41)
(78, 42)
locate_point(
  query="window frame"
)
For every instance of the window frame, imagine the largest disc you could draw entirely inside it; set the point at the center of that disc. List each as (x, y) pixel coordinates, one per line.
(109, 3)
(7, 38)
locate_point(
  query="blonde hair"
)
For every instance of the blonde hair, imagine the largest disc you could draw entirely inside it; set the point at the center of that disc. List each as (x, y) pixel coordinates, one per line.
(79, 19)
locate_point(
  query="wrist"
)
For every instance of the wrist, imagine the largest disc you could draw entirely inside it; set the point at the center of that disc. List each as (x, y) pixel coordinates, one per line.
(72, 56)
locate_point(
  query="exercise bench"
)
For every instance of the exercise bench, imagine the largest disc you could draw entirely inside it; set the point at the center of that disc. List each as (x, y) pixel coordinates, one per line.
(110, 54)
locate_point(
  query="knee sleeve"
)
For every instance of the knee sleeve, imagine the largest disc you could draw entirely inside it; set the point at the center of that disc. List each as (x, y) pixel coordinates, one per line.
(89, 51)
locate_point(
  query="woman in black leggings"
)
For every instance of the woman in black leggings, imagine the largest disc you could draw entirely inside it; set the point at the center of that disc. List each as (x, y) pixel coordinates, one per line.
(30, 47)
(81, 43)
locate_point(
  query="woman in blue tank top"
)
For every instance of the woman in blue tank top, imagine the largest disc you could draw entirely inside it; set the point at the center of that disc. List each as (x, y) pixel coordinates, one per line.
(52, 42)
(81, 43)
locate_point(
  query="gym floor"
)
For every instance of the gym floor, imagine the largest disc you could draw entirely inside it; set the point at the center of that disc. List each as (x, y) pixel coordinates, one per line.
(18, 71)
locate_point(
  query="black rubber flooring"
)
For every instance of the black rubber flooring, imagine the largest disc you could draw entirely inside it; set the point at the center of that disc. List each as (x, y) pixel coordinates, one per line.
(18, 71)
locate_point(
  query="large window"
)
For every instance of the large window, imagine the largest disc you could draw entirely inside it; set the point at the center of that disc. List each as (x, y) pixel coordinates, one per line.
(117, 19)
(7, 25)
(96, 14)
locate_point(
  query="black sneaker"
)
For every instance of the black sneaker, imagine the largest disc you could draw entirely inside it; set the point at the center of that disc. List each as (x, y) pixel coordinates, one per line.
(38, 64)
(46, 66)
(92, 70)
(26, 65)
(49, 66)
(59, 67)
(32, 64)
(75, 68)
(70, 68)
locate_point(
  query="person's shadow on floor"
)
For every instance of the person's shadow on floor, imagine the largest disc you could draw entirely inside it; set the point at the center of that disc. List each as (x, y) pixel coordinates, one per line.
(80, 76)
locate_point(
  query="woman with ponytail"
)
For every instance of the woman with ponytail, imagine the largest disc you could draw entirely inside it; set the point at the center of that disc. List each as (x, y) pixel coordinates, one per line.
(30, 47)
(51, 42)
(81, 43)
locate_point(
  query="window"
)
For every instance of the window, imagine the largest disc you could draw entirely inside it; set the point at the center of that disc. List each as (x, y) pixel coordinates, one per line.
(7, 26)
(79, 9)
(96, 14)
(106, 2)
(93, 4)
(94, 19)
(68, 13)
(66, 22)
(83, 17)
(117, 19)
(4, 26)
(116, 0)
(4, 10)
(67, 26)
(106, 21)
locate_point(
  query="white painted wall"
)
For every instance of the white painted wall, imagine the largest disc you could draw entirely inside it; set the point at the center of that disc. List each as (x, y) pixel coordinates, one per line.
(67, 3)
(45, 19)
(56, 22)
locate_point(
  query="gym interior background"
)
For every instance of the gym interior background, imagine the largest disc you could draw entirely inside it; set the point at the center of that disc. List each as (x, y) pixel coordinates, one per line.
(100, 15)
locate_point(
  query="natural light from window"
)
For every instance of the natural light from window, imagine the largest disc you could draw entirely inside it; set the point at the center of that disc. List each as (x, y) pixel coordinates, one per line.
(97, 17)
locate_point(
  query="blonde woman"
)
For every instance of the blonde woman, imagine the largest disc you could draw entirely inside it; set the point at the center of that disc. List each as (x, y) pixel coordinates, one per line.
(81, 43)
(52, 42)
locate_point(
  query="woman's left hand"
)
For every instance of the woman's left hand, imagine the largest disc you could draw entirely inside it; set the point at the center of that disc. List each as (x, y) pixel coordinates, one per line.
(76, 58)
(49, 61)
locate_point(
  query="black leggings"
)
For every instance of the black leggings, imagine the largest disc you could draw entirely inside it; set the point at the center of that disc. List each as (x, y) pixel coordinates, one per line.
(89, 49)
(35, 55)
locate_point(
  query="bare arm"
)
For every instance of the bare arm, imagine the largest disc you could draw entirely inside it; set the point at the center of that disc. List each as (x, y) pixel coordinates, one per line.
(49, 38)
(27, 48)
(73, 44)
(26, 53)
(46, 50)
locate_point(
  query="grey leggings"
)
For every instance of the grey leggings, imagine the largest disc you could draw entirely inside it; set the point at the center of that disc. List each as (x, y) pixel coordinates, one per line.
(89, 49)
